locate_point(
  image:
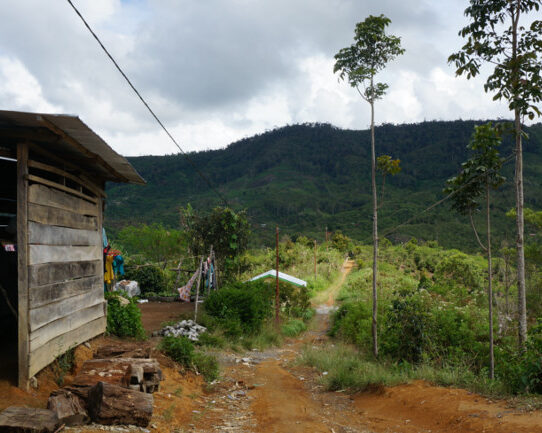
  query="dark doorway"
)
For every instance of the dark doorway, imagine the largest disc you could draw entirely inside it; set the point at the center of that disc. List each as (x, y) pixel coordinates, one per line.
(8, 270)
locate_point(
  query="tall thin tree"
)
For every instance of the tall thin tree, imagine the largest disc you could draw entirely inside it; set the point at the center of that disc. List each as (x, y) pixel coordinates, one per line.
(479, 175)
(496, 37)
(359, 63)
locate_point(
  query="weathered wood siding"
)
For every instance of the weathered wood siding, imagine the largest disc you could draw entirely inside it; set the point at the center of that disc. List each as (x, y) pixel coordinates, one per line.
(64, 267)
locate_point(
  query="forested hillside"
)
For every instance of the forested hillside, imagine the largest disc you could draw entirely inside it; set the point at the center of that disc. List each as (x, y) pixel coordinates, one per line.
(306, 177)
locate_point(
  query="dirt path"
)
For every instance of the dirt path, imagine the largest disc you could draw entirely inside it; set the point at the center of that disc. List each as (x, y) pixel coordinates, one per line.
(265, 392)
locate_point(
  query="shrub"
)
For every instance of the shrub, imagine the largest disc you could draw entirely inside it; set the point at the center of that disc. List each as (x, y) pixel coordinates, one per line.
(352, 322)
(240, 308)
(206, 365)
(293, 328)
(181, 350)
(123, 320)
(405, 326)
(150, 278)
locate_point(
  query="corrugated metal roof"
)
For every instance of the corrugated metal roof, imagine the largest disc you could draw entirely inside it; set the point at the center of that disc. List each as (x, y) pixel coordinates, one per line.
(282, 276)
(77, 143)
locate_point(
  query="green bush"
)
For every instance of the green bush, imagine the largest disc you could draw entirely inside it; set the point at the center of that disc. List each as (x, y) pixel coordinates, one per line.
(352, 323)
(181, 350)
(241, 307)
(293, 328)
(405, 331)
(150, 278)
(206, 365)
(123, 320)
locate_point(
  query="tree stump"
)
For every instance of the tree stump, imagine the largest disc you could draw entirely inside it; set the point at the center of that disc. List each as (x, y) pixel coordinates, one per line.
(111, 404)
(69, 407)
(28, 420)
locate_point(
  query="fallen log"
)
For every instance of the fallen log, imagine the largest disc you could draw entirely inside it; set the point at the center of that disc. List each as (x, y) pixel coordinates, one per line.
(125, 350)
(69, 407)
(111, 404)
(27, 420)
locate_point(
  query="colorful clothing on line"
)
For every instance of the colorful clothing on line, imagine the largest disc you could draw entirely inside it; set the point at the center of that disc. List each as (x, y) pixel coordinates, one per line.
(184, 292)
(118, 265)
(108, 274)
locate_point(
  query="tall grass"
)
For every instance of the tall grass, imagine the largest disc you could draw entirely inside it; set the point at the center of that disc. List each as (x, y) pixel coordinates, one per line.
(348, 369)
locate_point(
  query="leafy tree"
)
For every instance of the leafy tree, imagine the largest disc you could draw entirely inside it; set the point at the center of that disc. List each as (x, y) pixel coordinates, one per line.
(387, 166)
(359, 63)
(478, 176)
(155, 242)
(225, 230)
(495, 36)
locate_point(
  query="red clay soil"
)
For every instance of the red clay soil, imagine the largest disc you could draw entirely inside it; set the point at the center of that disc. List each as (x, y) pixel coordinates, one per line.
(154, 314)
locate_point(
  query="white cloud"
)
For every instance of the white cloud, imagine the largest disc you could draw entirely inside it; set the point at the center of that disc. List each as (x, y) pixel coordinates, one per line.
(216, 71)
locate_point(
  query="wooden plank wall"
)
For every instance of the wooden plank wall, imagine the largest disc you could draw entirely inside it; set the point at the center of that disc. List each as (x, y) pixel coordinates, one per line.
(64, 267)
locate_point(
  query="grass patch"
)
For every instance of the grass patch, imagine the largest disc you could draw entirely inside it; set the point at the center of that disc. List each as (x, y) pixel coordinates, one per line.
(348, 369)
(293, 327)
(182, 350)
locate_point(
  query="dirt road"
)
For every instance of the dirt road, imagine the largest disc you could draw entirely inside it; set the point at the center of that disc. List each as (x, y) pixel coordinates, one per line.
(266, 392)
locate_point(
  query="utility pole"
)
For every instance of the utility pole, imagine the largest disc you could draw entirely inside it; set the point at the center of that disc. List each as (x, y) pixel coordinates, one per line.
(277, 306)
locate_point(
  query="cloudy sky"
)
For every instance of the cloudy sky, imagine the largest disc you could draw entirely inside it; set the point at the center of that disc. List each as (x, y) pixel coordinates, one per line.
(216, 71)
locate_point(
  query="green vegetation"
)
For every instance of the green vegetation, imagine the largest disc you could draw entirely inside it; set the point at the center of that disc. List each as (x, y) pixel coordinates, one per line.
(123, 320)
(307, 177)
(182, 350)
(63, 365)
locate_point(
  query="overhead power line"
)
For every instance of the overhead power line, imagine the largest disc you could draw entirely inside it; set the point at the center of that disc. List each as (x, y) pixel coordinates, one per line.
(439, 202)
(205, 178)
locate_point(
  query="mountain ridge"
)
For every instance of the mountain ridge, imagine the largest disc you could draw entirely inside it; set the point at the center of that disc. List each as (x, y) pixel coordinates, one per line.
(306, 176)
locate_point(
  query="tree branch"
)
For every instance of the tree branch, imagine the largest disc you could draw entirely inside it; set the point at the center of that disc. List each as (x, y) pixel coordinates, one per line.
(475, 232)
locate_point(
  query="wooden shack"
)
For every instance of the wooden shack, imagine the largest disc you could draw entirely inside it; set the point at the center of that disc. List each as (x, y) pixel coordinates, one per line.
(53, 171)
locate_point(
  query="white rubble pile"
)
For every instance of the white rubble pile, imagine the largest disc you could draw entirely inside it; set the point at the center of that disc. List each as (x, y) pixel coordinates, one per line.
(186, 328)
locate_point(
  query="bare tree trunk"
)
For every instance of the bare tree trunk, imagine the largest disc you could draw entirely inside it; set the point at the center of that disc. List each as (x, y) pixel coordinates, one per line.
(490, 288)
(375, 232)
(522, 304)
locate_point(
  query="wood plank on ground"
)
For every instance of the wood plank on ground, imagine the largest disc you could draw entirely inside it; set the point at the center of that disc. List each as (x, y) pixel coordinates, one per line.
(40, 316)
(49, 273)
(62, 253)
(46, 354)
(60, 217)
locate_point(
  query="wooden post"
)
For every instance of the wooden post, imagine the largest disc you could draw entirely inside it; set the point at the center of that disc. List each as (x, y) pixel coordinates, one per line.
(215, 274)
(22, 262)
(197, 291)
(277, 301)
(209, 280)
(315, 258)
(178, 273)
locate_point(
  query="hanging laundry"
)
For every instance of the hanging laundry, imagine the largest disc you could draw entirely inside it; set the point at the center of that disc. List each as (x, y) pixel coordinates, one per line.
(104, 238)
(184, 292)
(108, 274)
(118, 265)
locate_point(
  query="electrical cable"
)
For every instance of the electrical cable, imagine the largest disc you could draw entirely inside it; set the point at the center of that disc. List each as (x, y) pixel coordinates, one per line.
(439, 202)
(207, 181)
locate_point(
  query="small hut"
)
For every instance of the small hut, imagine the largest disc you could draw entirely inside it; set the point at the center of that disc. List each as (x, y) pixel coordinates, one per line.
(53, 171)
